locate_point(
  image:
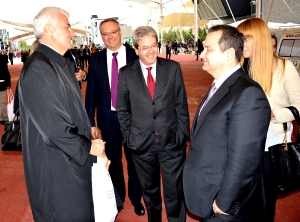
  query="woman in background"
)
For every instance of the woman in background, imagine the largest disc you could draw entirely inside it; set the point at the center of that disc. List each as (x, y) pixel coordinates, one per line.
(281, 83)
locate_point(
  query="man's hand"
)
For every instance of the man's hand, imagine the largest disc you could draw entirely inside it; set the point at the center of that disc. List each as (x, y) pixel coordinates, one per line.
(106, 162)
(98, 148)
(80, 75)
(217, 210)
(96, 134)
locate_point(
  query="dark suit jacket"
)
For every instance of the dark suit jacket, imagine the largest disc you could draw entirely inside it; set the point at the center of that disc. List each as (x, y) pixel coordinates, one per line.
(98, 88)
(167, 114)
(227, 145)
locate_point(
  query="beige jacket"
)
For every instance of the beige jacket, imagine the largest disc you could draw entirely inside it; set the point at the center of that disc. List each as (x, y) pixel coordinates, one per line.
(285, 92)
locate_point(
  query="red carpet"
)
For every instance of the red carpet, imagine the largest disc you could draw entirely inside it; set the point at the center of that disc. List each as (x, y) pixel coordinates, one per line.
(13, 195)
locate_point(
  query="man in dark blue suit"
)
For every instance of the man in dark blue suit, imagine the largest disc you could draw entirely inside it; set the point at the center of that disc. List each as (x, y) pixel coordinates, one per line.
(101, 108)
(222, 173)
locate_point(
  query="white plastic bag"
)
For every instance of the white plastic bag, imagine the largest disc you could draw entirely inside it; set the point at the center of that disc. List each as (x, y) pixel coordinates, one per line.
(10, 104)
(105, 207)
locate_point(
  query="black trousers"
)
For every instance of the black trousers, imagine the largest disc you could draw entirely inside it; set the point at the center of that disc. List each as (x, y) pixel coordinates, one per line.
(267, 213)
(148, 170)
(113, 148)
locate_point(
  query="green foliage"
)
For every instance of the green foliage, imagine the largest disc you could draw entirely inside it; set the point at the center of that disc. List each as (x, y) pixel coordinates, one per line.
(202, 33)
(170, 36)
(187, 35)
(23, 45)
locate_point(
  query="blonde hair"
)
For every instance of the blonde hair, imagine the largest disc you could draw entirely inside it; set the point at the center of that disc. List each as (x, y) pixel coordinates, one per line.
(33, 46)
(262, 62)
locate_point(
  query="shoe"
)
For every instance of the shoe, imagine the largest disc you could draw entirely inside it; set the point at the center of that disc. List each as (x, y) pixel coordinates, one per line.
(139, 209)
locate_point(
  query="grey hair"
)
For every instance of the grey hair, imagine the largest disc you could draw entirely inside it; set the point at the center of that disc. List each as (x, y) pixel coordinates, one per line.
(140, 32)
(109, 20)
(48, 15)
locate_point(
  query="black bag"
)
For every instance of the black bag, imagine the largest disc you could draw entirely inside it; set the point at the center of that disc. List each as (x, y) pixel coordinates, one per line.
(11, 138)
(285, 160)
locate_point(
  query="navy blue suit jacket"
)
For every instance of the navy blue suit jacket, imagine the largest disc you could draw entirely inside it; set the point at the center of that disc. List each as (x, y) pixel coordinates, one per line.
(98, 88)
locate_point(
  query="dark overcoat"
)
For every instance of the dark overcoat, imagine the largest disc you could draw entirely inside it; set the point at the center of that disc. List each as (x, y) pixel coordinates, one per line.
(55, 139)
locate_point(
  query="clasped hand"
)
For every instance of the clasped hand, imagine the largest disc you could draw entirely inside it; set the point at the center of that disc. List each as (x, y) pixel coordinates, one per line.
(98, 149)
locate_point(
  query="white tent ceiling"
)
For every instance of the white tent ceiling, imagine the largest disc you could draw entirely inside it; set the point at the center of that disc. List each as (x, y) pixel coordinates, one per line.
(130, 12)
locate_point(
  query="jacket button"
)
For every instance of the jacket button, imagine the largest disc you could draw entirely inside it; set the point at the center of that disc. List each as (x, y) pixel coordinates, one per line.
(153, 103)
(154, 117)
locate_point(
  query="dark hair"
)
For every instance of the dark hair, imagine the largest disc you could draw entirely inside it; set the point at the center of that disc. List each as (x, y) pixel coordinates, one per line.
(273, 36)
(231, 38)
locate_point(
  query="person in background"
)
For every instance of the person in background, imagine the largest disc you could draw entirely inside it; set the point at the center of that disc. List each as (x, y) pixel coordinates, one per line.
(153, 113)
(168, 50)
(58, 152)
(281, 83)
(80, 74)
(11, 57)
(80, 53)
(87, 55)
(93, 49)
(159, 46)
(100, 104)
(4, 85)
(199, 48)
(222, 173)
(274, 43)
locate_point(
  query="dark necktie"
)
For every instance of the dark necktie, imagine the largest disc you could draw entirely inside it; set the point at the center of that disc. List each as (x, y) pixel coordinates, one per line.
(114, 80)
(150, 83)
(210, 94)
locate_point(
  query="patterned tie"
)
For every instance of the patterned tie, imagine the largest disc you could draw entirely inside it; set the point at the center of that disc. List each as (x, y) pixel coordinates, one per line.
(210, 94)
(150, 83)
(114, 80)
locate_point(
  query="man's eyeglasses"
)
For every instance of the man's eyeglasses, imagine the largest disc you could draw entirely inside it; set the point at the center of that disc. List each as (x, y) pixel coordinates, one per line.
(146, 48)
(114, 32)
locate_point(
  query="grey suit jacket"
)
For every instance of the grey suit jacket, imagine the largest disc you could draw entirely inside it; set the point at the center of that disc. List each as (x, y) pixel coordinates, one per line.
(227, 144)
(140, 116)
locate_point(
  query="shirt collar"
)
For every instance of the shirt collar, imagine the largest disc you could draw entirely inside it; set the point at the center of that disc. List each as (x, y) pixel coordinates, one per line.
(225, 76)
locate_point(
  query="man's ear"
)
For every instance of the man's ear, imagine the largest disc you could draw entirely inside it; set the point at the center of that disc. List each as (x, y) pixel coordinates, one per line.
(49, 29)
(230, 54)
(136, 52)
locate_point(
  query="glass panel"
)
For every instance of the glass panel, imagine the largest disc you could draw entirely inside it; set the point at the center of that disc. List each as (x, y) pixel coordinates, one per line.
(296, 48)
(286, 48)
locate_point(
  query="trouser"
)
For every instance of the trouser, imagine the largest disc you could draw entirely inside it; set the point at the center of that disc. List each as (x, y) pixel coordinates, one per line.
(148, 170)
(268, 214)
(113, 149)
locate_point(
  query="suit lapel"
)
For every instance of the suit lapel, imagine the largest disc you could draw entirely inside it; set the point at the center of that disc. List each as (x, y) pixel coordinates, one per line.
(221, 92)
(137, 75)
(103, 64)
(161, 73)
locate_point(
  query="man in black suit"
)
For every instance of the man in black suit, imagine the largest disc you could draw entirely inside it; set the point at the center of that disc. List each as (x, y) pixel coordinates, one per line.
(99, 97)
(87, 55)
(153, 113)
(222, 173)
(80, 53)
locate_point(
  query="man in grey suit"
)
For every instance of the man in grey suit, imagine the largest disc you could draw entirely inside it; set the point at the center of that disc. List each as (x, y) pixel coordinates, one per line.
(153, 114)
(222, 173)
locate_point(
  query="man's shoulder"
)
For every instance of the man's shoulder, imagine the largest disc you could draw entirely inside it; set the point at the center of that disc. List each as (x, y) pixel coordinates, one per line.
(129, 66)
(99, 55)
(164, 61)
